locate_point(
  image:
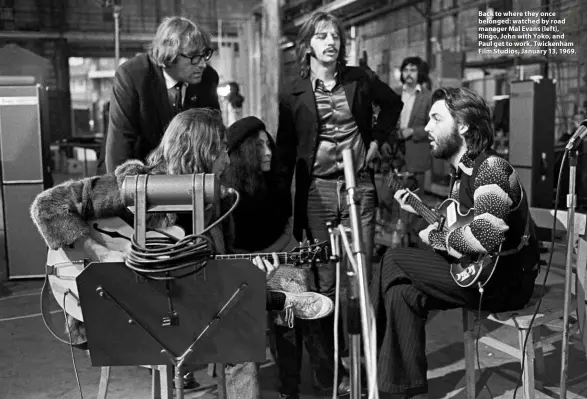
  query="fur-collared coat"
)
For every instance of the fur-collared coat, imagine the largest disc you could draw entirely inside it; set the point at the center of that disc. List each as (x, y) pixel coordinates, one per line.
(61, 213)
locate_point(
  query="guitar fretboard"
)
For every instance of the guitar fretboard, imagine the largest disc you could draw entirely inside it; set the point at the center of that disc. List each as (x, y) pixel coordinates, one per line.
(282, 256)
(427, 214)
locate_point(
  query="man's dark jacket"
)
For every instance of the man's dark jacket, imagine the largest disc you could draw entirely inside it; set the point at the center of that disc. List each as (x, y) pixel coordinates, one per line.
(298, 129)
(140, 110)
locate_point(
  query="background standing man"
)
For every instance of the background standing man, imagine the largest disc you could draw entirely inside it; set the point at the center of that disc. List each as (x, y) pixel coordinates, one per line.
(414, 117)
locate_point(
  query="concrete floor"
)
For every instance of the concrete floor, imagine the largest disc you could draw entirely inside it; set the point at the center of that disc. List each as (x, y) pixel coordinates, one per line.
(35, 366)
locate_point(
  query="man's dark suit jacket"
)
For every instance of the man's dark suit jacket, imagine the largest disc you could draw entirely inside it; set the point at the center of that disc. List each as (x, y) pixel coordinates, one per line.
(140, 110)
(298, 129)
(417, 156)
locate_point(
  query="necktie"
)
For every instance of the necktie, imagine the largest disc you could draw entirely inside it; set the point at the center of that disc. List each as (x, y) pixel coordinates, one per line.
(175, 97)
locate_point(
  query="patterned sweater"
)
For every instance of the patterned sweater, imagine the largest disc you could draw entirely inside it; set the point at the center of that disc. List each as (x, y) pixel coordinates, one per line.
(497, 193)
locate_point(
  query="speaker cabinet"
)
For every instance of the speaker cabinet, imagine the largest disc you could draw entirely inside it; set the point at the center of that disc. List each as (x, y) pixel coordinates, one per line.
(531, 138)
(22, 178)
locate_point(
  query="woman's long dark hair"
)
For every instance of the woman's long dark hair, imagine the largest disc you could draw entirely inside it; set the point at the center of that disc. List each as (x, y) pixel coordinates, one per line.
(244, 173)
(307, 31)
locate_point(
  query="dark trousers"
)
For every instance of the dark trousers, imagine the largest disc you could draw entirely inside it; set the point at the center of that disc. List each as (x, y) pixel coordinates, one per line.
(320, 347)
(410, 282)
(327, 202)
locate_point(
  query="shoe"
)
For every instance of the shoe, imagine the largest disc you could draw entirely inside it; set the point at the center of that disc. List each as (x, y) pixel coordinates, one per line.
(286, 396)
(343, 389)
(308, 305)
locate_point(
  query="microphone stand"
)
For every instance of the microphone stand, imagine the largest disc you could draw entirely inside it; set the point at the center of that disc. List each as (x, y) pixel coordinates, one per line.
(357, 294)
(571, 205)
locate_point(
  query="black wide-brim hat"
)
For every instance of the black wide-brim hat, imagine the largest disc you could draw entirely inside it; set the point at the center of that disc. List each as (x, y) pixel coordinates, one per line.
(241, 129)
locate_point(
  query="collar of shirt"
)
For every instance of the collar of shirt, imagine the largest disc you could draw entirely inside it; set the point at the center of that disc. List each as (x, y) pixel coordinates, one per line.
(169, 81)
(406, 89)
(466, 164)
(314, 80)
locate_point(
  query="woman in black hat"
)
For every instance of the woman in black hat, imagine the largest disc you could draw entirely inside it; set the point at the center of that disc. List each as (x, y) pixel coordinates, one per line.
(261, 220)
(262, 223)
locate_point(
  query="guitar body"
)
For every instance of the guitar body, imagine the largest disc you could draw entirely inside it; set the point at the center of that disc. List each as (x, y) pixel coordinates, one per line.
(67, 263)
(467, 270)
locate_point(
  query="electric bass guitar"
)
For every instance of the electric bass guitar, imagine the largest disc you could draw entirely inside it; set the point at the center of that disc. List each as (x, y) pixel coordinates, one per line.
(469, 269)
(65, 264)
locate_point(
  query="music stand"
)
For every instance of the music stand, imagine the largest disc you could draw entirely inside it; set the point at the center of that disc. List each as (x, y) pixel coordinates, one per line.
(221, 317)
(213, 317)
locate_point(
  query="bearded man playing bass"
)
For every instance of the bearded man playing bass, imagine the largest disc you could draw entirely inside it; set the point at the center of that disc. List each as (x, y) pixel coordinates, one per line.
(498, 240)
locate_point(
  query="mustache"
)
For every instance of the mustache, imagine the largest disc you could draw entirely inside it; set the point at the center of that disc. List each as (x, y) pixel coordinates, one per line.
(330, 49)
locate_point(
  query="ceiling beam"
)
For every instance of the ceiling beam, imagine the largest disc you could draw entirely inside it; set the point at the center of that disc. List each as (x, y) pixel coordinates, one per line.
(381, 11)
(87, 37)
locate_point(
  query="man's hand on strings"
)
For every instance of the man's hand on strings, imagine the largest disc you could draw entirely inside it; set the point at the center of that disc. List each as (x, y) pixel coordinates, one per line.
(401, 197)
(266, 266)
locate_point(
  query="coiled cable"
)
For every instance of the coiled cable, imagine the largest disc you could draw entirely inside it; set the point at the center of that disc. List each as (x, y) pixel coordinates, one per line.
(169, 258)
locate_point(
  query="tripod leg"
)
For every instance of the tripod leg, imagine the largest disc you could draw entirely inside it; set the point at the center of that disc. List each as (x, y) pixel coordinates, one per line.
(104, 381)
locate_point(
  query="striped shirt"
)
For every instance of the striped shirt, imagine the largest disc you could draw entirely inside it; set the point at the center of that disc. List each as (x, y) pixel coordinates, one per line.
(496, 194)
(338, 131)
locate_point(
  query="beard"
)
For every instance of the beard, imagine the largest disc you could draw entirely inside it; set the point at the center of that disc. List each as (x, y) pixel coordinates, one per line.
(448, 146)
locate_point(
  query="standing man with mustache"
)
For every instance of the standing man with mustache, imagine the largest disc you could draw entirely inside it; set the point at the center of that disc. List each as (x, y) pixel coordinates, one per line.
(327, 110)
(151, 88)
(413, 119)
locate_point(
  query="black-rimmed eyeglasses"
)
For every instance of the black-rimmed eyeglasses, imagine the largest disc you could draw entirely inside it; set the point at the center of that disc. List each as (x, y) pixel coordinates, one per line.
(196, 58)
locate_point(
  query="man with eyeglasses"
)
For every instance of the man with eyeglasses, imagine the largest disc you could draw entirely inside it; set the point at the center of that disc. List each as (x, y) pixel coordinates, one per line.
(151, 88)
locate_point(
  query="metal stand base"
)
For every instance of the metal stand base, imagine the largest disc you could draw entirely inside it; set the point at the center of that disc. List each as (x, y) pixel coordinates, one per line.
(571, 205)
(178, 361)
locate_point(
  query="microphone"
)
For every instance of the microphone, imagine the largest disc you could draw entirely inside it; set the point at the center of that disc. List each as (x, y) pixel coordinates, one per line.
(175, 190)
(579, 135)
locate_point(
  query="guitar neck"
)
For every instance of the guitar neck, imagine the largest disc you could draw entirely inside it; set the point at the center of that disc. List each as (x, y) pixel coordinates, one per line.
(282, 256)
(426, 213)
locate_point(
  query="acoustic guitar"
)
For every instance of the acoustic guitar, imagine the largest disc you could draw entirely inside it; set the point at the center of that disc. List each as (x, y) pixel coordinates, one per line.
(65, 264)
(469, 269)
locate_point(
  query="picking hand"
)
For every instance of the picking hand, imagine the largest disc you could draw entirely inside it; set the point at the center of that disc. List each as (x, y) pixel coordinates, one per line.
(401, 196)
(267, 266)
(423, 234)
